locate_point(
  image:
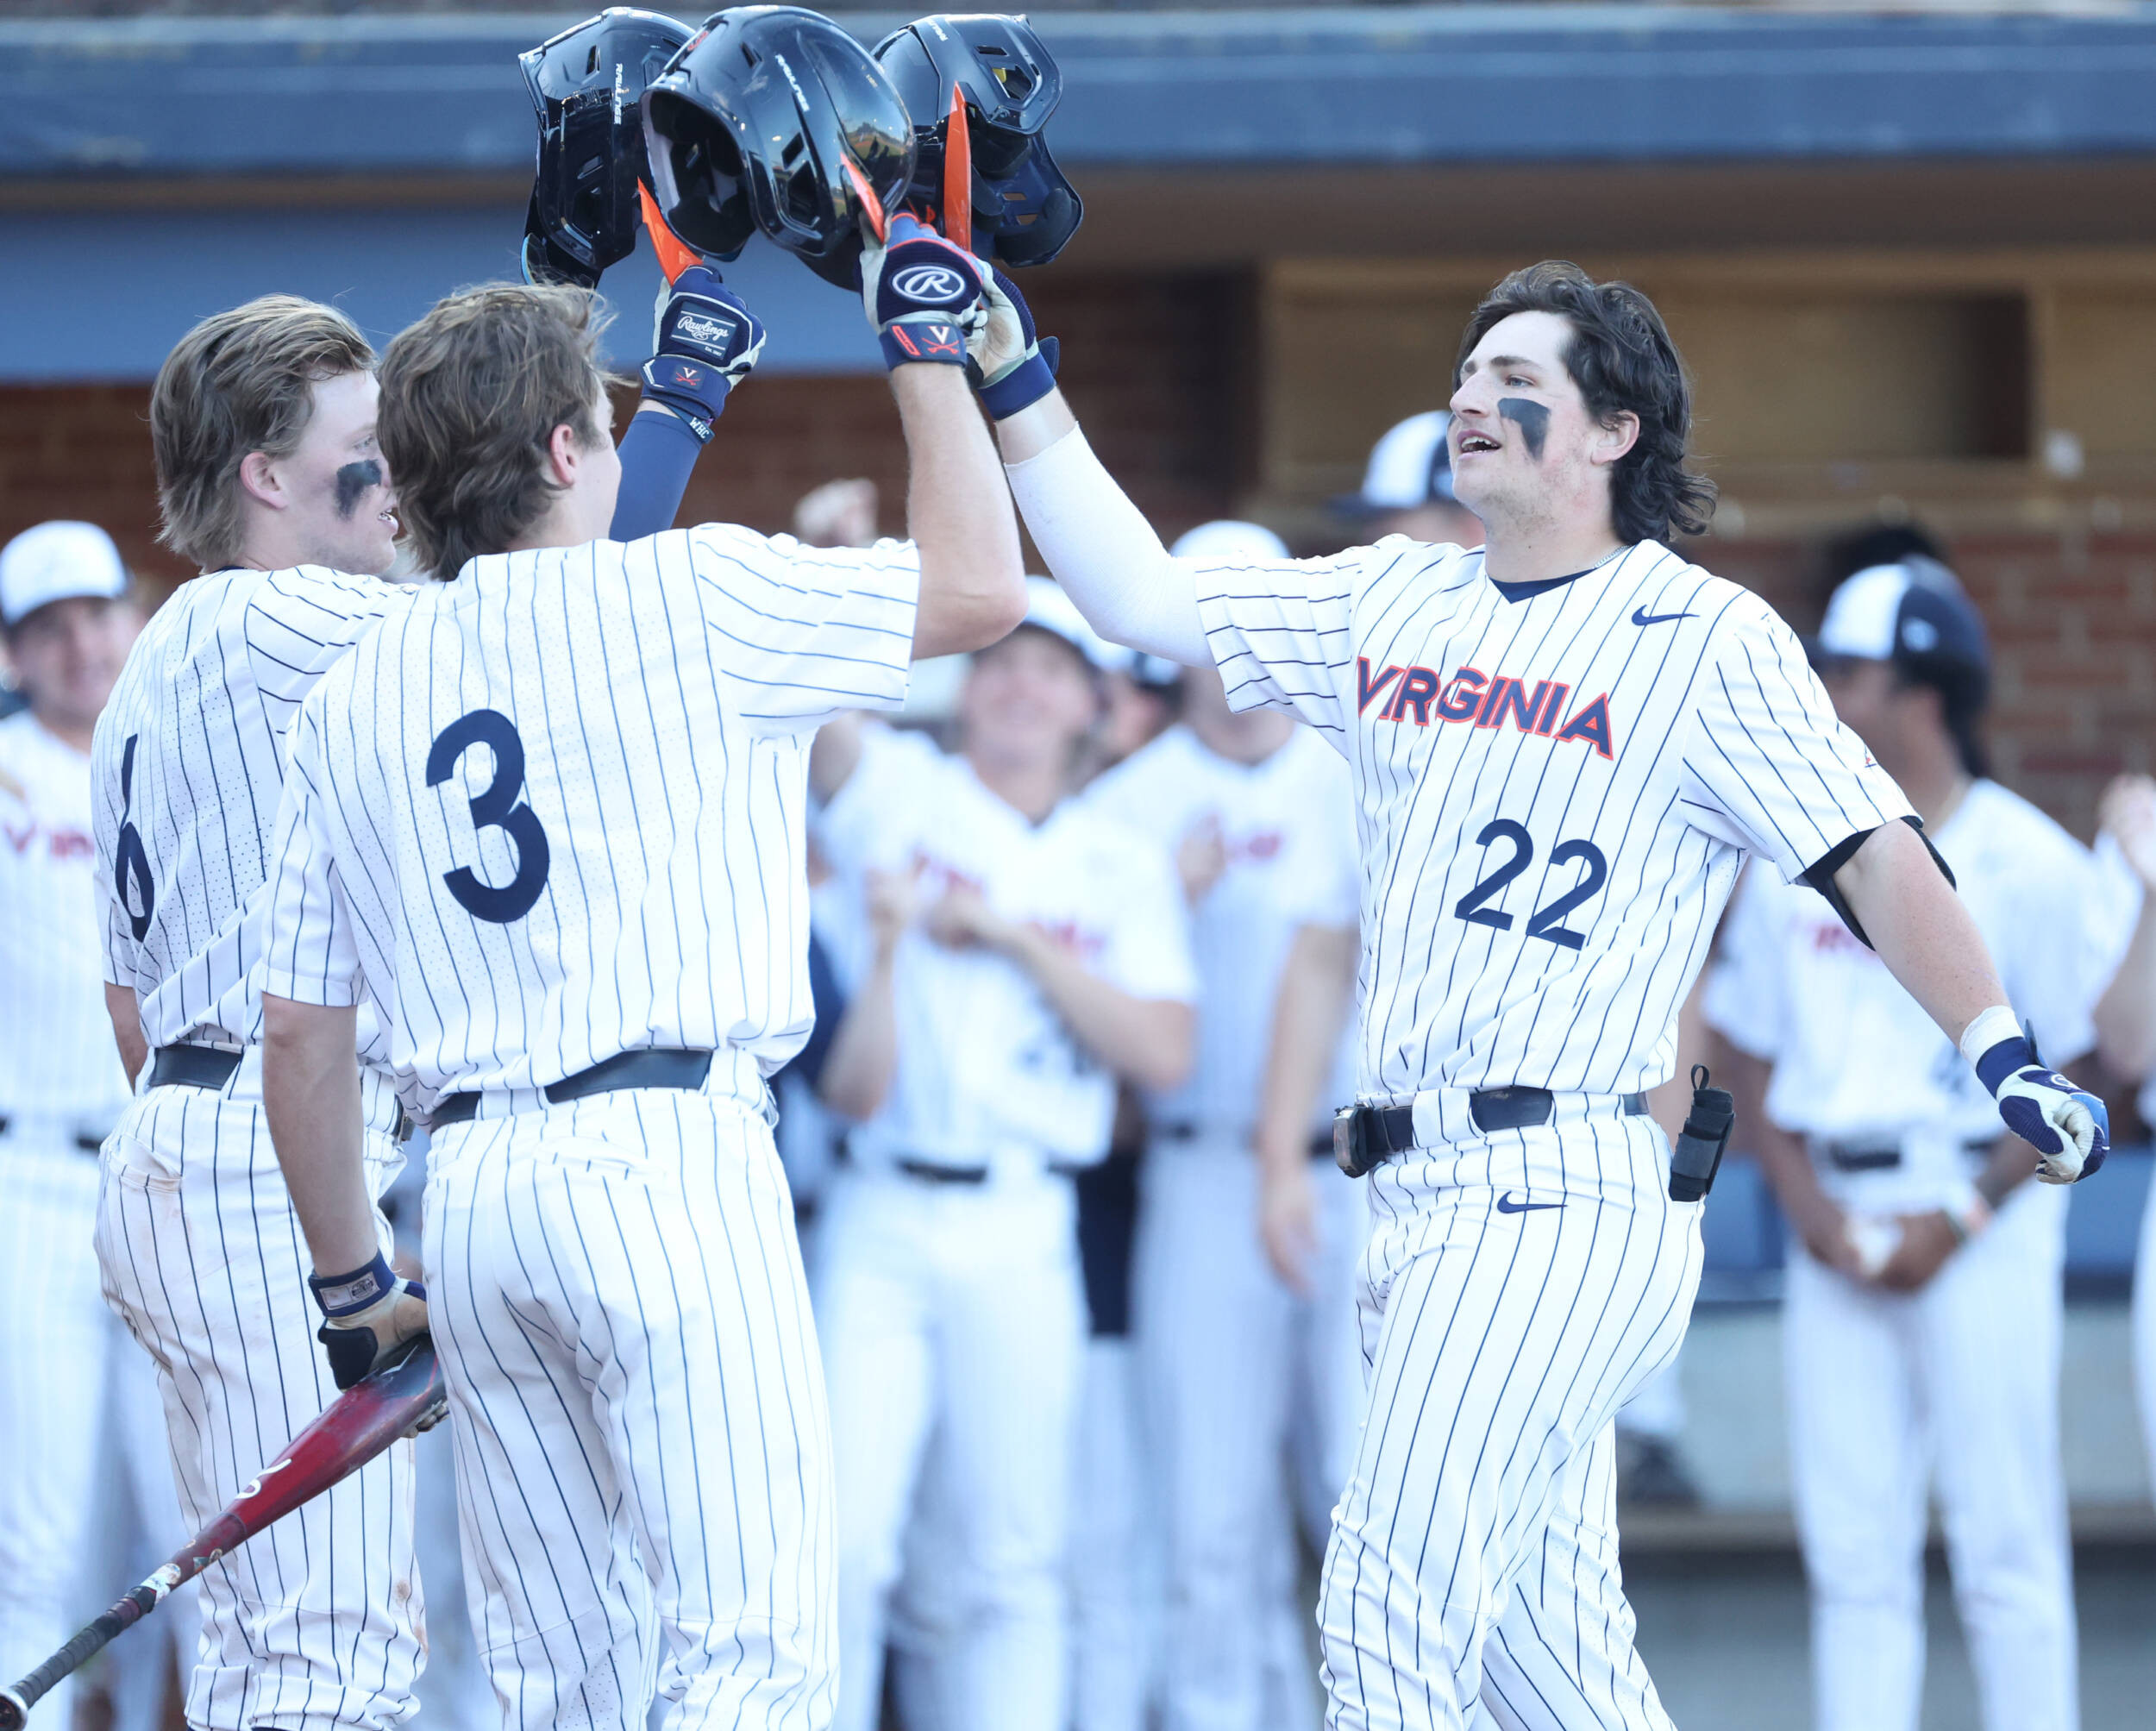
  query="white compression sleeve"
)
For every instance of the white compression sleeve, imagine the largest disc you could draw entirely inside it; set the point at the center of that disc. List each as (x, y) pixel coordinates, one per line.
(1106, 556)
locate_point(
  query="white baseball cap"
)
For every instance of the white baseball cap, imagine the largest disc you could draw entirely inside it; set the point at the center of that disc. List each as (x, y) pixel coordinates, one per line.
(1911, 609)
(1229, 538)
(1411, 465)
(57, 561)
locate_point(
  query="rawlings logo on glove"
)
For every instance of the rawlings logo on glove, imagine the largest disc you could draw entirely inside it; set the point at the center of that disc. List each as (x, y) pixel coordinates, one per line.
(2069, 1127)
(923, 294)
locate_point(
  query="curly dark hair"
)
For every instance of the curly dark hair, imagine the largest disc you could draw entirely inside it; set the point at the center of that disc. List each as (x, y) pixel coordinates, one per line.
(1621, 357)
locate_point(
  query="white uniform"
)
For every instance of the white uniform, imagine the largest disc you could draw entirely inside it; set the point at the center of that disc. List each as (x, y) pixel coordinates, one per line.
(318, 1621)
(948, 1286)
(1229, 1357)
(551, 817)
(67, 1371)
(1959, 1382)
(1556, 783)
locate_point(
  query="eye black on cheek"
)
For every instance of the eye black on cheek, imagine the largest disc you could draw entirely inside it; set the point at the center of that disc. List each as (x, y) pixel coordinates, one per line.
(1531, 417)
(353, 482)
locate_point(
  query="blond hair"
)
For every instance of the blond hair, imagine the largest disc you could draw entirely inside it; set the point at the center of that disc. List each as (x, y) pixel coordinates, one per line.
(470, 396)
(239, 382)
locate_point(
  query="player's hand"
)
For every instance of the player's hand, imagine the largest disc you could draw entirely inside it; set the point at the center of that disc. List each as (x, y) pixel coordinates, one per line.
(1011, 365)
(2127, 813)
(703, 343)
(1925, 1243)
(922, 294)
(1200, 857)
(893, 898)
(962, 920)
(1824, 1228)
(369, 1313)
(1288, 1221)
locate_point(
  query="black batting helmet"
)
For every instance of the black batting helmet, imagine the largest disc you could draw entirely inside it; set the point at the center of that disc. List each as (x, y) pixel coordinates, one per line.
(1023, 210)
(586, 84)
(774, 118)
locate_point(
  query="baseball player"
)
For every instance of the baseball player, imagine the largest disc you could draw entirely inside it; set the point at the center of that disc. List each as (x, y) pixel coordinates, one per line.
(272, 478)
(69, 1377)
(1408, 487)
(546, 825)
(2126, 1027)
(1562, 747)
(1049, 959)
(1925, 1308)
(1256, 808)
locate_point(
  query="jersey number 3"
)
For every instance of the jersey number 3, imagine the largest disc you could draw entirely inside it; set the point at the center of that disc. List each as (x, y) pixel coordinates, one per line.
(1546, 922)
(495, 807)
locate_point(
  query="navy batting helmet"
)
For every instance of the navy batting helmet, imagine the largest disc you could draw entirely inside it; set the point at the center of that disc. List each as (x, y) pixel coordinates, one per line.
(586, 84)
(997, 71)
(774, 118)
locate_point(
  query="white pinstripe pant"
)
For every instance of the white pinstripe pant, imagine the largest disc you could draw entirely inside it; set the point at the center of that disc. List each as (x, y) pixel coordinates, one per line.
(316, 1621)
(1474, 1557)
(643, 1445)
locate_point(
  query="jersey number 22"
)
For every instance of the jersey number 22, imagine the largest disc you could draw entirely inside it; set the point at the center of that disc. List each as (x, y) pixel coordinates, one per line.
(496, 806)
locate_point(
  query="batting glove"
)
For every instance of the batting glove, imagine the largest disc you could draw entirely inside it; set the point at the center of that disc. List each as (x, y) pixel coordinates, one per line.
(370, 1314)
(706, 343)
(923, 295)
(1012, 367)
(2068, 1126)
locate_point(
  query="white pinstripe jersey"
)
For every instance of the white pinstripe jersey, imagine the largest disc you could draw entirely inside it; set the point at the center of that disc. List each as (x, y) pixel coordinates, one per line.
(57, 1057)
(986, 1070)
(187, 765)
(1281, 821)
(557, 810)
(1556, 783)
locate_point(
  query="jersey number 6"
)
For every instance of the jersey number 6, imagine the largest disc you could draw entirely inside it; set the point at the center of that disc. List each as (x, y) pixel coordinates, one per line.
(1546, 922)
(495, 807)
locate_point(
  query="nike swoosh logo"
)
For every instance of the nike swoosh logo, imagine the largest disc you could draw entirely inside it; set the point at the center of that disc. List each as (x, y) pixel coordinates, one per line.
(1507, 1205)
(1640, 616)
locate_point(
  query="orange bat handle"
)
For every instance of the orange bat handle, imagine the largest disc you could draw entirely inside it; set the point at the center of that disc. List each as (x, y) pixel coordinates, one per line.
(675, 255)
(958, 174)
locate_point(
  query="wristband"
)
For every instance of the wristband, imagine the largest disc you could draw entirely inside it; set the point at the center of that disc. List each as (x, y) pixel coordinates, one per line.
(347, 1295)
(1023, 385)
(907, 341)
(1981, 1042)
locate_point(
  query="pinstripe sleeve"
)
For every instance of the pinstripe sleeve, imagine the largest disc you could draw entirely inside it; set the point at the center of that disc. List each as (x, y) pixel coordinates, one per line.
(299, 623)
(1767, 766)
(105, 825)
(308, 954)
(1280, 632)
(799, 633)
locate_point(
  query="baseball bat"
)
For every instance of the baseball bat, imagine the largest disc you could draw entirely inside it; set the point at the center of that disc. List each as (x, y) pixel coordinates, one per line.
(362, 1421)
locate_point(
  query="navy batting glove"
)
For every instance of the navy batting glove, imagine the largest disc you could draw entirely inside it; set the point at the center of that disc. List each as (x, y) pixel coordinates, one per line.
(2069, 1127)
(923, 294)
(1014, 368)
(707, 341)
(371, 1313)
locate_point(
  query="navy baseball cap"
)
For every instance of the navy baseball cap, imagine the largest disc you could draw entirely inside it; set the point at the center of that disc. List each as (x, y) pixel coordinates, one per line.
(1411, 465)
(1912, 612)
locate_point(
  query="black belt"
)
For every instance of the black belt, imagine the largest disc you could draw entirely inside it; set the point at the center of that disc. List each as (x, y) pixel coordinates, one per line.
(929, 1173)
(85, 1143)
(193, 1067)
(1860, 1157)
(644, 1068)
(1320, 1141)
(1391, 1129)
(184, 1066)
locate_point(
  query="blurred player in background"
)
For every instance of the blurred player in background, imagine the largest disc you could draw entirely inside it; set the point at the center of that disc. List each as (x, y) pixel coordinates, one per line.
(1257, 810)
(75, 1392)
(1407, 488)
(1047, 958)
(1924, 1308)
(2126, 1029)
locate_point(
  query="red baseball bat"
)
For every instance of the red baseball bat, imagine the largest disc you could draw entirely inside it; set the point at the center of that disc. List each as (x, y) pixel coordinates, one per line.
(362, 1421)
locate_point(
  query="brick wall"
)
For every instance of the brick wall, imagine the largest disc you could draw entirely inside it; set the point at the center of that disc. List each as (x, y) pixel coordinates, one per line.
(1156, 369)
